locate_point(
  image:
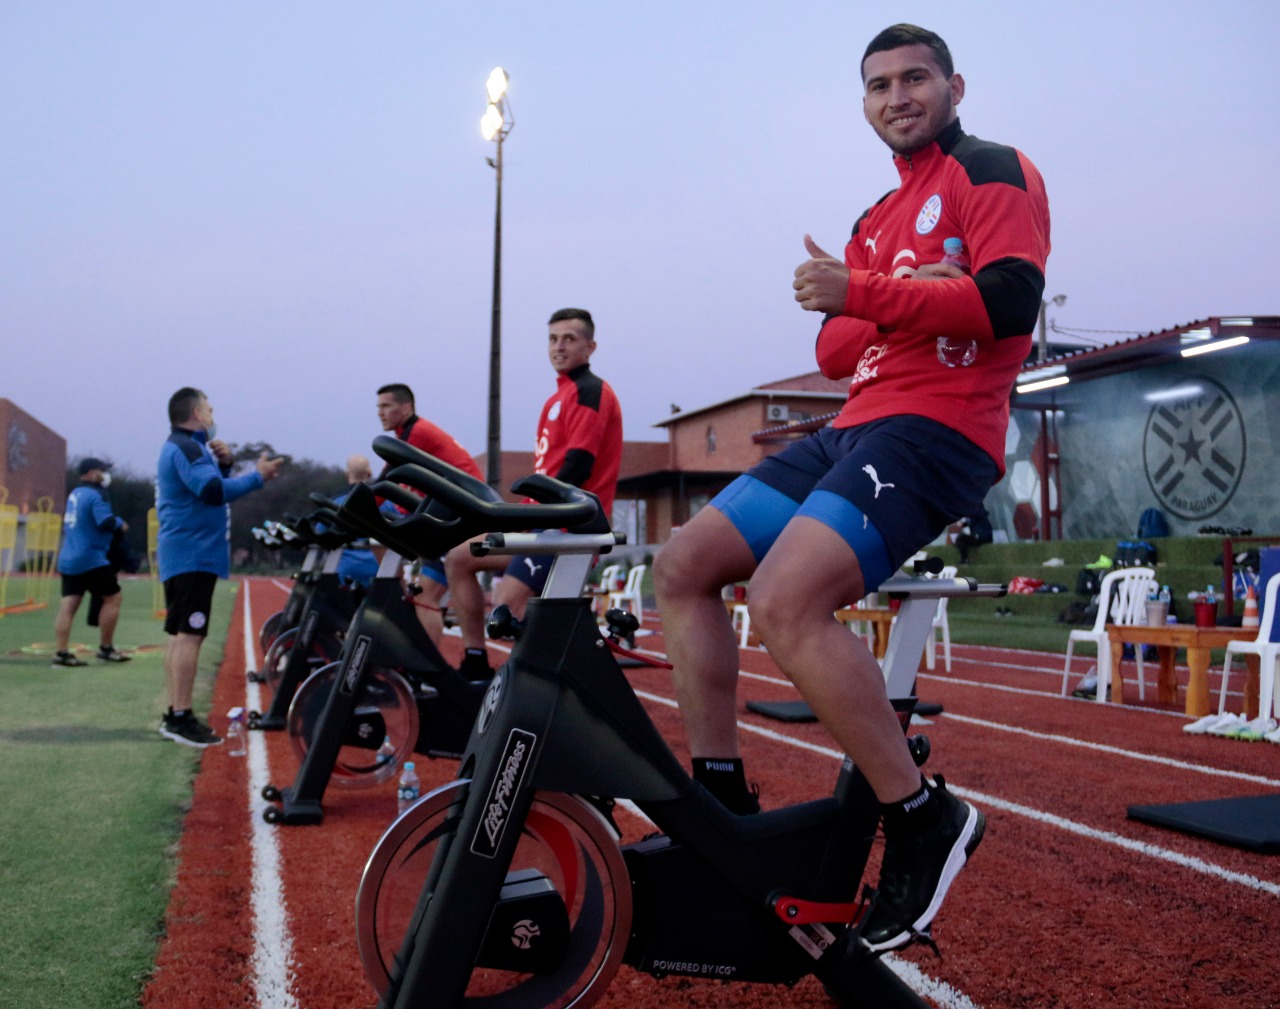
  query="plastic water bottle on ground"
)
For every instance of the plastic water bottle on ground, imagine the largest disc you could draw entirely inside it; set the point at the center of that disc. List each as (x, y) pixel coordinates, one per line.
(236, 746)
(1088, 685)
(386, 752)
(407, 791)
(954, 352)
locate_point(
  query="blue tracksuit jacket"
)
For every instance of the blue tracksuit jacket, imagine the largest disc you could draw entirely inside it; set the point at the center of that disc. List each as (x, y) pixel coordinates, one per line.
(192, 497)
(87, 526)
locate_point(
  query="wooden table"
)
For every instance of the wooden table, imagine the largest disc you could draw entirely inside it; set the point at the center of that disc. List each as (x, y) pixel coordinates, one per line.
(881, 620)
(1168, 638)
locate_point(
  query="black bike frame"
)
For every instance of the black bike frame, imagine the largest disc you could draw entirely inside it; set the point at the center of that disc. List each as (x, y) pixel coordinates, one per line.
(562, 698)
(384, 633)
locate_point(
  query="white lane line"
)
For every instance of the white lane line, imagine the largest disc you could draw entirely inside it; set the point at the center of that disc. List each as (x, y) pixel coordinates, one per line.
(917, 980)
(1129, 844)
(1181, 765)
(272, 941)
(1150, 850)
(281, 585)
(1048, 695)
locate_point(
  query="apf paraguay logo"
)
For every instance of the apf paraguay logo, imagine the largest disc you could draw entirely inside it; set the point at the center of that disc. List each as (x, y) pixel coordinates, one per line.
(1193, 451)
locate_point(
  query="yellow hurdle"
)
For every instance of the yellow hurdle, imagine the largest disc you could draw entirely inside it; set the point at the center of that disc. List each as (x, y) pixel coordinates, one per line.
(8, 545)
(44, 534)
(153, 562)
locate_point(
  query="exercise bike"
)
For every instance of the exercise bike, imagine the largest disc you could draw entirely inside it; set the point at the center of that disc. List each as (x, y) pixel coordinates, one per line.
(315, 618)
(354, 721)
(507, 888)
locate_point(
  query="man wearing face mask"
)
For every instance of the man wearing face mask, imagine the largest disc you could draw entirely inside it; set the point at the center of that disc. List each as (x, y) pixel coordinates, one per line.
(194, 488)
(87, 527)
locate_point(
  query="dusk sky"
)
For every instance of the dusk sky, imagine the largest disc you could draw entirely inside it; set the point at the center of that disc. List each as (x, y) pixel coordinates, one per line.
(287, 204)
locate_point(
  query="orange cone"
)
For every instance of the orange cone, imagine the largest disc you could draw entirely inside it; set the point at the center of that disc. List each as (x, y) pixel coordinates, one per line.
(1250, 618)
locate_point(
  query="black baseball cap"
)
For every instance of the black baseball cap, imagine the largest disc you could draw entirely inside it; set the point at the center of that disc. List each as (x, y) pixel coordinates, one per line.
(90, 463)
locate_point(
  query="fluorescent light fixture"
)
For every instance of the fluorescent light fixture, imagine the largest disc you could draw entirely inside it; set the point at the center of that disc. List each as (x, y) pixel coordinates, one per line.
(1248, 321)
(1209, 348)
(1042, 373)
(1178, 392)
(1048, 383)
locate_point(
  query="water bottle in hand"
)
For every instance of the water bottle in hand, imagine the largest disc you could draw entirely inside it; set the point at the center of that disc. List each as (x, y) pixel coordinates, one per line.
(954, 352)
(407, 792)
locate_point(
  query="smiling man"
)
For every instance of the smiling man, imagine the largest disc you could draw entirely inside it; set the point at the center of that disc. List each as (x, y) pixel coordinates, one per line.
(578, 440)
(931, 352)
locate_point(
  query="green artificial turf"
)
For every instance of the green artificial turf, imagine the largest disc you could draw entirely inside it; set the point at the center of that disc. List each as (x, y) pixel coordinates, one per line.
(93, 798)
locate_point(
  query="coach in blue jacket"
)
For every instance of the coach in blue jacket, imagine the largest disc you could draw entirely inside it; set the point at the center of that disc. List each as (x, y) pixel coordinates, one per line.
(194, 489)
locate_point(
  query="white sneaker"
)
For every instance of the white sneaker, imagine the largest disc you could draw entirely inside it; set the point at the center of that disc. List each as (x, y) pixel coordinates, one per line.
(1253, 731)
(1224, 724)
(1273, 737)
(1201, 725)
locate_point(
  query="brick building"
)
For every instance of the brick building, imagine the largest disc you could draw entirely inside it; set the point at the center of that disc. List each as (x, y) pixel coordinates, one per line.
(33, 460)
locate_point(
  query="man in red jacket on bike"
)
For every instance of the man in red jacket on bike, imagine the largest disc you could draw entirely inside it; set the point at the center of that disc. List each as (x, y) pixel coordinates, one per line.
(931, 352)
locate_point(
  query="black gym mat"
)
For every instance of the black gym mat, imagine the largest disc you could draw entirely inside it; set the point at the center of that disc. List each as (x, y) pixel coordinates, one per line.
(1251, 822)
(783, 711)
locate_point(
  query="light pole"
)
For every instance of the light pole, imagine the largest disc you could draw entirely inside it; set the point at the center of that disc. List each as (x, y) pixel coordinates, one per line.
(495, 125)
(1057, 299)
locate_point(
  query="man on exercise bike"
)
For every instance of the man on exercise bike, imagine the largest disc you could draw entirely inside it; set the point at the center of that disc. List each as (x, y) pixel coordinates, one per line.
(398, 414)
(578, 440)
(931, 353)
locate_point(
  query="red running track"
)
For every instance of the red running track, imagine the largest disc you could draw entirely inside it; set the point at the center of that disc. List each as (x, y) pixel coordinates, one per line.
(1066, 904)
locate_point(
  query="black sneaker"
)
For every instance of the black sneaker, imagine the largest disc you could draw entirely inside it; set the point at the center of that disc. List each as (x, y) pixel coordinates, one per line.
(475, 666)
(189, 731)
(917, 870)
(66, 659)
(110, 653)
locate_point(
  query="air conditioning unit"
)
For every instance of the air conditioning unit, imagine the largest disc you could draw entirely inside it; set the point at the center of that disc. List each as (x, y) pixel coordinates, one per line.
(779, 413)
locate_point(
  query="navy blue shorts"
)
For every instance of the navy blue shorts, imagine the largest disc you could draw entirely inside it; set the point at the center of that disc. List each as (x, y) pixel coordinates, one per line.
(531, 569)
(887, 487)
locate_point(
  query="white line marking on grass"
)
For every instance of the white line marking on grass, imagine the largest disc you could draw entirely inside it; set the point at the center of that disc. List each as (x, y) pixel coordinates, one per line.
(912, 976)
(1141, 847)
(272, 941)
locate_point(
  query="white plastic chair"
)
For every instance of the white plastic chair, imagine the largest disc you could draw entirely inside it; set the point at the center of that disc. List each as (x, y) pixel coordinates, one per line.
(1266, 650)
(630, 593)
(742, 623)
(940, 626)
(1122, 599)
(608, 579)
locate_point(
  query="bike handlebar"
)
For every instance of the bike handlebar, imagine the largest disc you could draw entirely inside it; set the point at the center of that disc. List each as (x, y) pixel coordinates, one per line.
(455, 506)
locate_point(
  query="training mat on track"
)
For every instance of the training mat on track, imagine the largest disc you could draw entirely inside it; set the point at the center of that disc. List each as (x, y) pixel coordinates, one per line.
(1251, 822)
(783, 711)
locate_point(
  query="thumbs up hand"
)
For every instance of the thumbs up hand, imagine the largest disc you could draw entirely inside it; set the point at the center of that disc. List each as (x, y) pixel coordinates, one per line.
(822, 281)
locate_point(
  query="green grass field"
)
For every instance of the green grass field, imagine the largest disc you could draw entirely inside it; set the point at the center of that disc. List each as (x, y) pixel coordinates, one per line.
(93, 802)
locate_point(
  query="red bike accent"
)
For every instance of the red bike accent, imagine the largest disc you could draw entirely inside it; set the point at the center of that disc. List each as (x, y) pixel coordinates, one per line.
(647, 660)
(795, 911)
